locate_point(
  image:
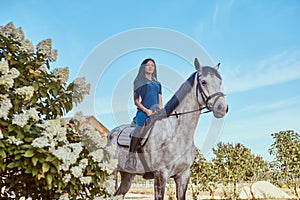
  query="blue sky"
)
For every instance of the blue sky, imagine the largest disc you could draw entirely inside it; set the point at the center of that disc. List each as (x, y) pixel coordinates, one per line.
(257, 43)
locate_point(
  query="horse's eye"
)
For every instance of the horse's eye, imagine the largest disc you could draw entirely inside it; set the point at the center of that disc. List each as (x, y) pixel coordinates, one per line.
(203, 82)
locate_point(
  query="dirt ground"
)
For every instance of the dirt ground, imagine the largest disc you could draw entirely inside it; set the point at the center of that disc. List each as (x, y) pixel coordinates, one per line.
(146, 193)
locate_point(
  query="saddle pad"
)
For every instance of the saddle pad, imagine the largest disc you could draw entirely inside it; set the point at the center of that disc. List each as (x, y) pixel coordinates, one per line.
(124, 136)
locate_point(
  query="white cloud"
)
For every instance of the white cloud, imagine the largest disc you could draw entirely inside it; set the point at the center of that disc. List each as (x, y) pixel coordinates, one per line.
(273, 70)
(271, 106)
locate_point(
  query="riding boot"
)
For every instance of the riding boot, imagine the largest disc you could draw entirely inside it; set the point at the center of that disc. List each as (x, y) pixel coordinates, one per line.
(130, 163)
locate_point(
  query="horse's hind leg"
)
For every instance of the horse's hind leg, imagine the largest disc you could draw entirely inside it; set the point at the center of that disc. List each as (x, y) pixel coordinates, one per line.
(126, 180)
(181, 184)
(160, 182)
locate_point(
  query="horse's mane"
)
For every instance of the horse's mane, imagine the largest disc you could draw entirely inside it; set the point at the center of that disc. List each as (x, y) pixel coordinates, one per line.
(180, 94)
(186, 87)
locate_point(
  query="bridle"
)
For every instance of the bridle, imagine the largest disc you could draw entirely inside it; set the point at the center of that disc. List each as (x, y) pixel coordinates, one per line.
(205, 98)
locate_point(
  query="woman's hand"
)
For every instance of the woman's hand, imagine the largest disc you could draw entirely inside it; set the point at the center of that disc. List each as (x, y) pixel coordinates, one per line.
(148, 112)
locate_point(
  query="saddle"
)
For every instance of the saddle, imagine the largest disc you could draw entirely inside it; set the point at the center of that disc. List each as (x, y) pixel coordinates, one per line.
(124, 136)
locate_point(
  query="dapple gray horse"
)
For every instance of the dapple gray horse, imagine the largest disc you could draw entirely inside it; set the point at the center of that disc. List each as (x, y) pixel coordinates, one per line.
(169, 150)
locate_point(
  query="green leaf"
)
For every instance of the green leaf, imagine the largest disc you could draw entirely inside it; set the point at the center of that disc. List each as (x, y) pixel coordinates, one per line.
(53, 170)
(34, 99)
(18, 157)
(20, 135)
(11, 165)
(2, 153)
(50, 158)
(28, 139)
(49, 179)
(45, 167)
(2, 144)
(27, 128)
(28, 170)
(11, 127)
(34, 171)
(35, 85)
(29, 153)
(34, 161)
(43, 92)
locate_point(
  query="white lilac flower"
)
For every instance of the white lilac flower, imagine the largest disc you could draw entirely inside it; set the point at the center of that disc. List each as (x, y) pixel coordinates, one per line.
(62, 74)
(79, 117)
(81, 87)
(43, 68)
(76, 147)
(110, 149)
(92, 138)
(13, 140)
(109, 186)
(1, 134)
(61, 152)
(40, 142)
(64, 166)
(14, 73)
(27, 46)
(62, 135)
(97, 155)
(109, 167)
(85, 180)
(76, 171)
(32, 113)
(53, 55)
(20, 120)
(26, 92)
(5, 106)
(4, 68)
(7, 29)
(65, 154)
(7, 81)
(53, 127)
(67, 178)
(17, 34)
(84, 163)
(64, 196)
(44, 47)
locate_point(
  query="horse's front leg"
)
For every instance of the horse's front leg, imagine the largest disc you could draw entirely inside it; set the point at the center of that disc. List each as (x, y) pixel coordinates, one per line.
(126, 180)
(160, 181)
(182, 182)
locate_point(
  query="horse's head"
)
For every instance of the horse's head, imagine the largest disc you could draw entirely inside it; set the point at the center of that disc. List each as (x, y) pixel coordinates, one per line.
(209, 89)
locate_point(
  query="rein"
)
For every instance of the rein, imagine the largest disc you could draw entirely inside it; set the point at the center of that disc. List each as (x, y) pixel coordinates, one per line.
(188, 112)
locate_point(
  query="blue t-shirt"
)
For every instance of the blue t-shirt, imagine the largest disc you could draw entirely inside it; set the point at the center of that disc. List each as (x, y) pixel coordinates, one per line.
(149, 94)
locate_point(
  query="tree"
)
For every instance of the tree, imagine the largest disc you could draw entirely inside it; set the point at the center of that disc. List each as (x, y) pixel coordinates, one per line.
(203, 176)
(286, 167)
(257, 169)
(52, 159)
(236, 163)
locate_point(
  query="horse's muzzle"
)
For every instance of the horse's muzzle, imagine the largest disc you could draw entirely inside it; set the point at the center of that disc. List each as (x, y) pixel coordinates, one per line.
(220, 110)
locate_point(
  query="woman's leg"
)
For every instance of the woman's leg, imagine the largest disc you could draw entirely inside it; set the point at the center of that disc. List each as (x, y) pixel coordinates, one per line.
(130, 163)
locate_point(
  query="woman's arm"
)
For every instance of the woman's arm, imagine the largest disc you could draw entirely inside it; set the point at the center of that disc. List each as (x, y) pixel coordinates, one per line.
(160, 101)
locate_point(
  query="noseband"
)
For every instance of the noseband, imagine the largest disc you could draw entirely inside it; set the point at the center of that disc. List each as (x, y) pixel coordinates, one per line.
(205, 97)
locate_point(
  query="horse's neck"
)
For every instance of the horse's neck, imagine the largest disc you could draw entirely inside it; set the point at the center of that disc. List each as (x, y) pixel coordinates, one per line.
(187, 123)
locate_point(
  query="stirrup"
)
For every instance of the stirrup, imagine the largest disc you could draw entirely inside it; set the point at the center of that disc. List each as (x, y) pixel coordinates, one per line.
(130, 163)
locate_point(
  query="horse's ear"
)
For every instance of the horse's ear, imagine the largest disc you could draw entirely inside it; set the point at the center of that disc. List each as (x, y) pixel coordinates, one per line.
(197, 65)
(217, 66)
